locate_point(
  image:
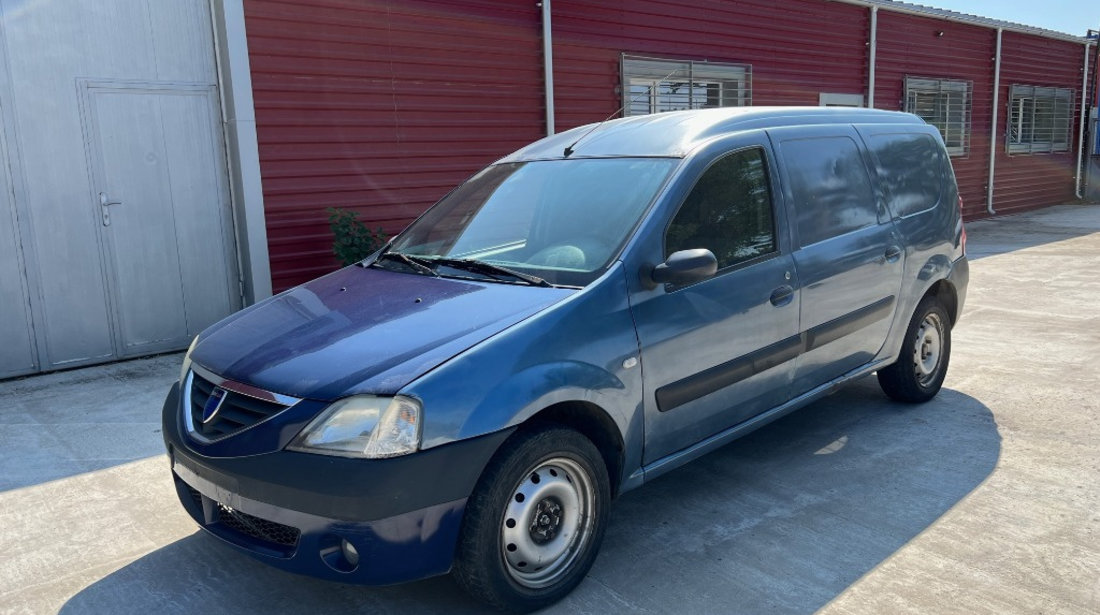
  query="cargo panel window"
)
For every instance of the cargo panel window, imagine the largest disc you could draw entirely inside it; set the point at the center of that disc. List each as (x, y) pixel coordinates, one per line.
(910, 169)
(829, 186)
(729, 211)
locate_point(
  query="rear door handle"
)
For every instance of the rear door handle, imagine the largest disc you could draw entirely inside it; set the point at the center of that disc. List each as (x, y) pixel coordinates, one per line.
(782, 296)
(893, 253)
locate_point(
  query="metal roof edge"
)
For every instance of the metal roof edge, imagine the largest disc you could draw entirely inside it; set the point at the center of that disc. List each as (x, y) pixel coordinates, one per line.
(966, 18)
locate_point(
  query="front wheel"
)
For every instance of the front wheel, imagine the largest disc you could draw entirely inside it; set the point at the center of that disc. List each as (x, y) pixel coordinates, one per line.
(535, 520)
(918, 373)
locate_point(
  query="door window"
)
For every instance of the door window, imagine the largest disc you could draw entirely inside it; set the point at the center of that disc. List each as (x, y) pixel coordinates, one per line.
(729, 211)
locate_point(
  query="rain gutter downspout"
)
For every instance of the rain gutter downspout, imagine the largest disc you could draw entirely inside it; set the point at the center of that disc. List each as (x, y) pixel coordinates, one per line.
(993, 131)
(873, 44)
(1081, 127)
(548, 66)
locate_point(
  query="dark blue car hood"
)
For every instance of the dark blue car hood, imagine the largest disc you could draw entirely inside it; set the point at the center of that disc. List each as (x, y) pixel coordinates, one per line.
(362, 330)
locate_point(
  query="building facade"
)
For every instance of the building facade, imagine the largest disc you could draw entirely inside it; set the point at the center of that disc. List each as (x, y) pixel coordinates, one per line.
(383, 107)
(155, 180)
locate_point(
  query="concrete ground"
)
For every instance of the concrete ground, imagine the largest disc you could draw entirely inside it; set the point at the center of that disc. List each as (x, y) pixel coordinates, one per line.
(985, 500)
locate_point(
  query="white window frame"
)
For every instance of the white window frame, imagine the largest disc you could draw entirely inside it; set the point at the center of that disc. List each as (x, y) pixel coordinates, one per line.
(654, 85)
(945, 104)
(1040, 119)
(830, 99)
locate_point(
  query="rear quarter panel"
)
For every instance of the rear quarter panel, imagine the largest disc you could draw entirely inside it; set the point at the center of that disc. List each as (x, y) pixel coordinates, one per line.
(929, 237)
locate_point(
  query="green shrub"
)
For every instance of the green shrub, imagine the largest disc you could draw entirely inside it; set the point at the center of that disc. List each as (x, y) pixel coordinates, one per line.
(352, 240)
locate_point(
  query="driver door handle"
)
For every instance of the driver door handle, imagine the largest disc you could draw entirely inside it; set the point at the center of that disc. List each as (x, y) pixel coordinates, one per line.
(782, 296)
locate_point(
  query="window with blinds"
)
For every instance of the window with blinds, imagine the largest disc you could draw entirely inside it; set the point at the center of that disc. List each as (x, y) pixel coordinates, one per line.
(1039, 119)
(945, 104)
(653, 85)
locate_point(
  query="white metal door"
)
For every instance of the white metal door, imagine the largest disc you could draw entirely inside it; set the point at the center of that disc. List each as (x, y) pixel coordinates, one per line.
(116, 97)
(157, 174)
(17, 352)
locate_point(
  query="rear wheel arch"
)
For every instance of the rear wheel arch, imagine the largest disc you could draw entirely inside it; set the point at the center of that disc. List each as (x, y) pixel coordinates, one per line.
(945, 293)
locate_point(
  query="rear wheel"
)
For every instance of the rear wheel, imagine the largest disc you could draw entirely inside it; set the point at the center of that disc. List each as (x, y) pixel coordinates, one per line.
(918, 373)
(535, 520)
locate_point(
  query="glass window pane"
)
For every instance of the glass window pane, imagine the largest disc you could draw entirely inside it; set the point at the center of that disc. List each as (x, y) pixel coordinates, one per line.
(909, 168)
(562, 220)
(729, 211)
(831, 188)
(676, 85)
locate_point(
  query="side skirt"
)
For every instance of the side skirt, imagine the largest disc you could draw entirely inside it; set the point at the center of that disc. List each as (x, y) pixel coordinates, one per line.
(718, 440)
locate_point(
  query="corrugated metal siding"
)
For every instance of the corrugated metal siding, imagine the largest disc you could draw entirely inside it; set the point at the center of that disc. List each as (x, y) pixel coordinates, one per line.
(382, 107)
(911, 45)
(797, 48)
(1028, 181)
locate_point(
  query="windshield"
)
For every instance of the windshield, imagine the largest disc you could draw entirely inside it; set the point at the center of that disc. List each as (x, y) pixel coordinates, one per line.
(560, 220)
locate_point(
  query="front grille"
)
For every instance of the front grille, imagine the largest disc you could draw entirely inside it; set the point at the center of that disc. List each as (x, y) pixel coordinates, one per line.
(260, 529)
(237, 413)
(244, 523)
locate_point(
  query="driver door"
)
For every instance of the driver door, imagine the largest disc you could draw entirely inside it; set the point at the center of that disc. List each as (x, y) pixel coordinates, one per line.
(719, 352)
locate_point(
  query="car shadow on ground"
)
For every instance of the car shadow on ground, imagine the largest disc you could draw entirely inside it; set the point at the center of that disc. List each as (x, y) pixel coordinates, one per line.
(781, 521)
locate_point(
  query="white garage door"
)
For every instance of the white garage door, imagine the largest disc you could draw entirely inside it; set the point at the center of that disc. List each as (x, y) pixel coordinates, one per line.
(121, 238)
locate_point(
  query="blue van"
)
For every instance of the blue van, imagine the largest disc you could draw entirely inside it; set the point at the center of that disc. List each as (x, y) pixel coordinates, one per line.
(582, 316)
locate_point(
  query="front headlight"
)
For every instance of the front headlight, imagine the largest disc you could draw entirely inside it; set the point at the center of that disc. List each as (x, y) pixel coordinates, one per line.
(187, 360)
(364, 426)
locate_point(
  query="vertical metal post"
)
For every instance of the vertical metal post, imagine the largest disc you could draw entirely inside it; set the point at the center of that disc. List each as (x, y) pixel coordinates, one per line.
(548, 65)
(1081, 127)
(993, 128)
(873, 44)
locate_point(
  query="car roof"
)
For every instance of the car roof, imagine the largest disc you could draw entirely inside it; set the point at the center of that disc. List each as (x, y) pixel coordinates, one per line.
(676, 133)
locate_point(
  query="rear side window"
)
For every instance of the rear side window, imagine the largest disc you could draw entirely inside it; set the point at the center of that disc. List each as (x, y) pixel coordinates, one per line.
(910, 168)
(831, 188)
(729, 211)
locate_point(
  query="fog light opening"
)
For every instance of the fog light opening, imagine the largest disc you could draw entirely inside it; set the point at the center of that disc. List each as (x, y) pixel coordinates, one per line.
(351, 555)
(339, 554)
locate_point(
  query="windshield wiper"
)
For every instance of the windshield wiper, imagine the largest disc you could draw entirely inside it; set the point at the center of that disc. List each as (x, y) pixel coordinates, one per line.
(490, 270)
(413, 262)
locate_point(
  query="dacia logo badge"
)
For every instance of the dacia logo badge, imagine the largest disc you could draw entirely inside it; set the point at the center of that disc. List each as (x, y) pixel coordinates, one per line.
(213, 404)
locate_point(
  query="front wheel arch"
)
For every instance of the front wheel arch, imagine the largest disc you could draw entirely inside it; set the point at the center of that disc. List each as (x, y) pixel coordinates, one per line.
(592, 422)
(510, 498)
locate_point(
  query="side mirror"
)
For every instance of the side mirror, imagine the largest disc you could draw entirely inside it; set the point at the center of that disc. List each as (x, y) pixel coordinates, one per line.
(685, 267)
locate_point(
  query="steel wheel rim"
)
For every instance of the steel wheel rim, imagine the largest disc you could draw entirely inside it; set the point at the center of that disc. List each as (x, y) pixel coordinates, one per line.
(928, 349)
(548, 522)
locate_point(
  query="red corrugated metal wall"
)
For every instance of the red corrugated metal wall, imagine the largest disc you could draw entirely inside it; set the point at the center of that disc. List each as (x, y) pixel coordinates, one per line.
(382, 107)
(797, 48)
(911, 45)
(1028, 181)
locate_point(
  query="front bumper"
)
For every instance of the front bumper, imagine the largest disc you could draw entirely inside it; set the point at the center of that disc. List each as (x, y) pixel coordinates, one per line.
(298, 511)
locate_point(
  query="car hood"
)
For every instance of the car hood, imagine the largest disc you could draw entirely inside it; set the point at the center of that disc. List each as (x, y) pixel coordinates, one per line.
(362, 330)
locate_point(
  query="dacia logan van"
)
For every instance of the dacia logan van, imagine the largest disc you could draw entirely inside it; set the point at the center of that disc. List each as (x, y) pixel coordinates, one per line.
(582, 316)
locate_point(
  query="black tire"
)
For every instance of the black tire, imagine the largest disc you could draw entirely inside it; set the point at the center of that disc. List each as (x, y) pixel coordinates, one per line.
(918, 373)
(530, 503)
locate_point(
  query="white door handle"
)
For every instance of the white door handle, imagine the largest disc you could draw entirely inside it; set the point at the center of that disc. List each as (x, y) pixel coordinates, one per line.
(104, 203)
